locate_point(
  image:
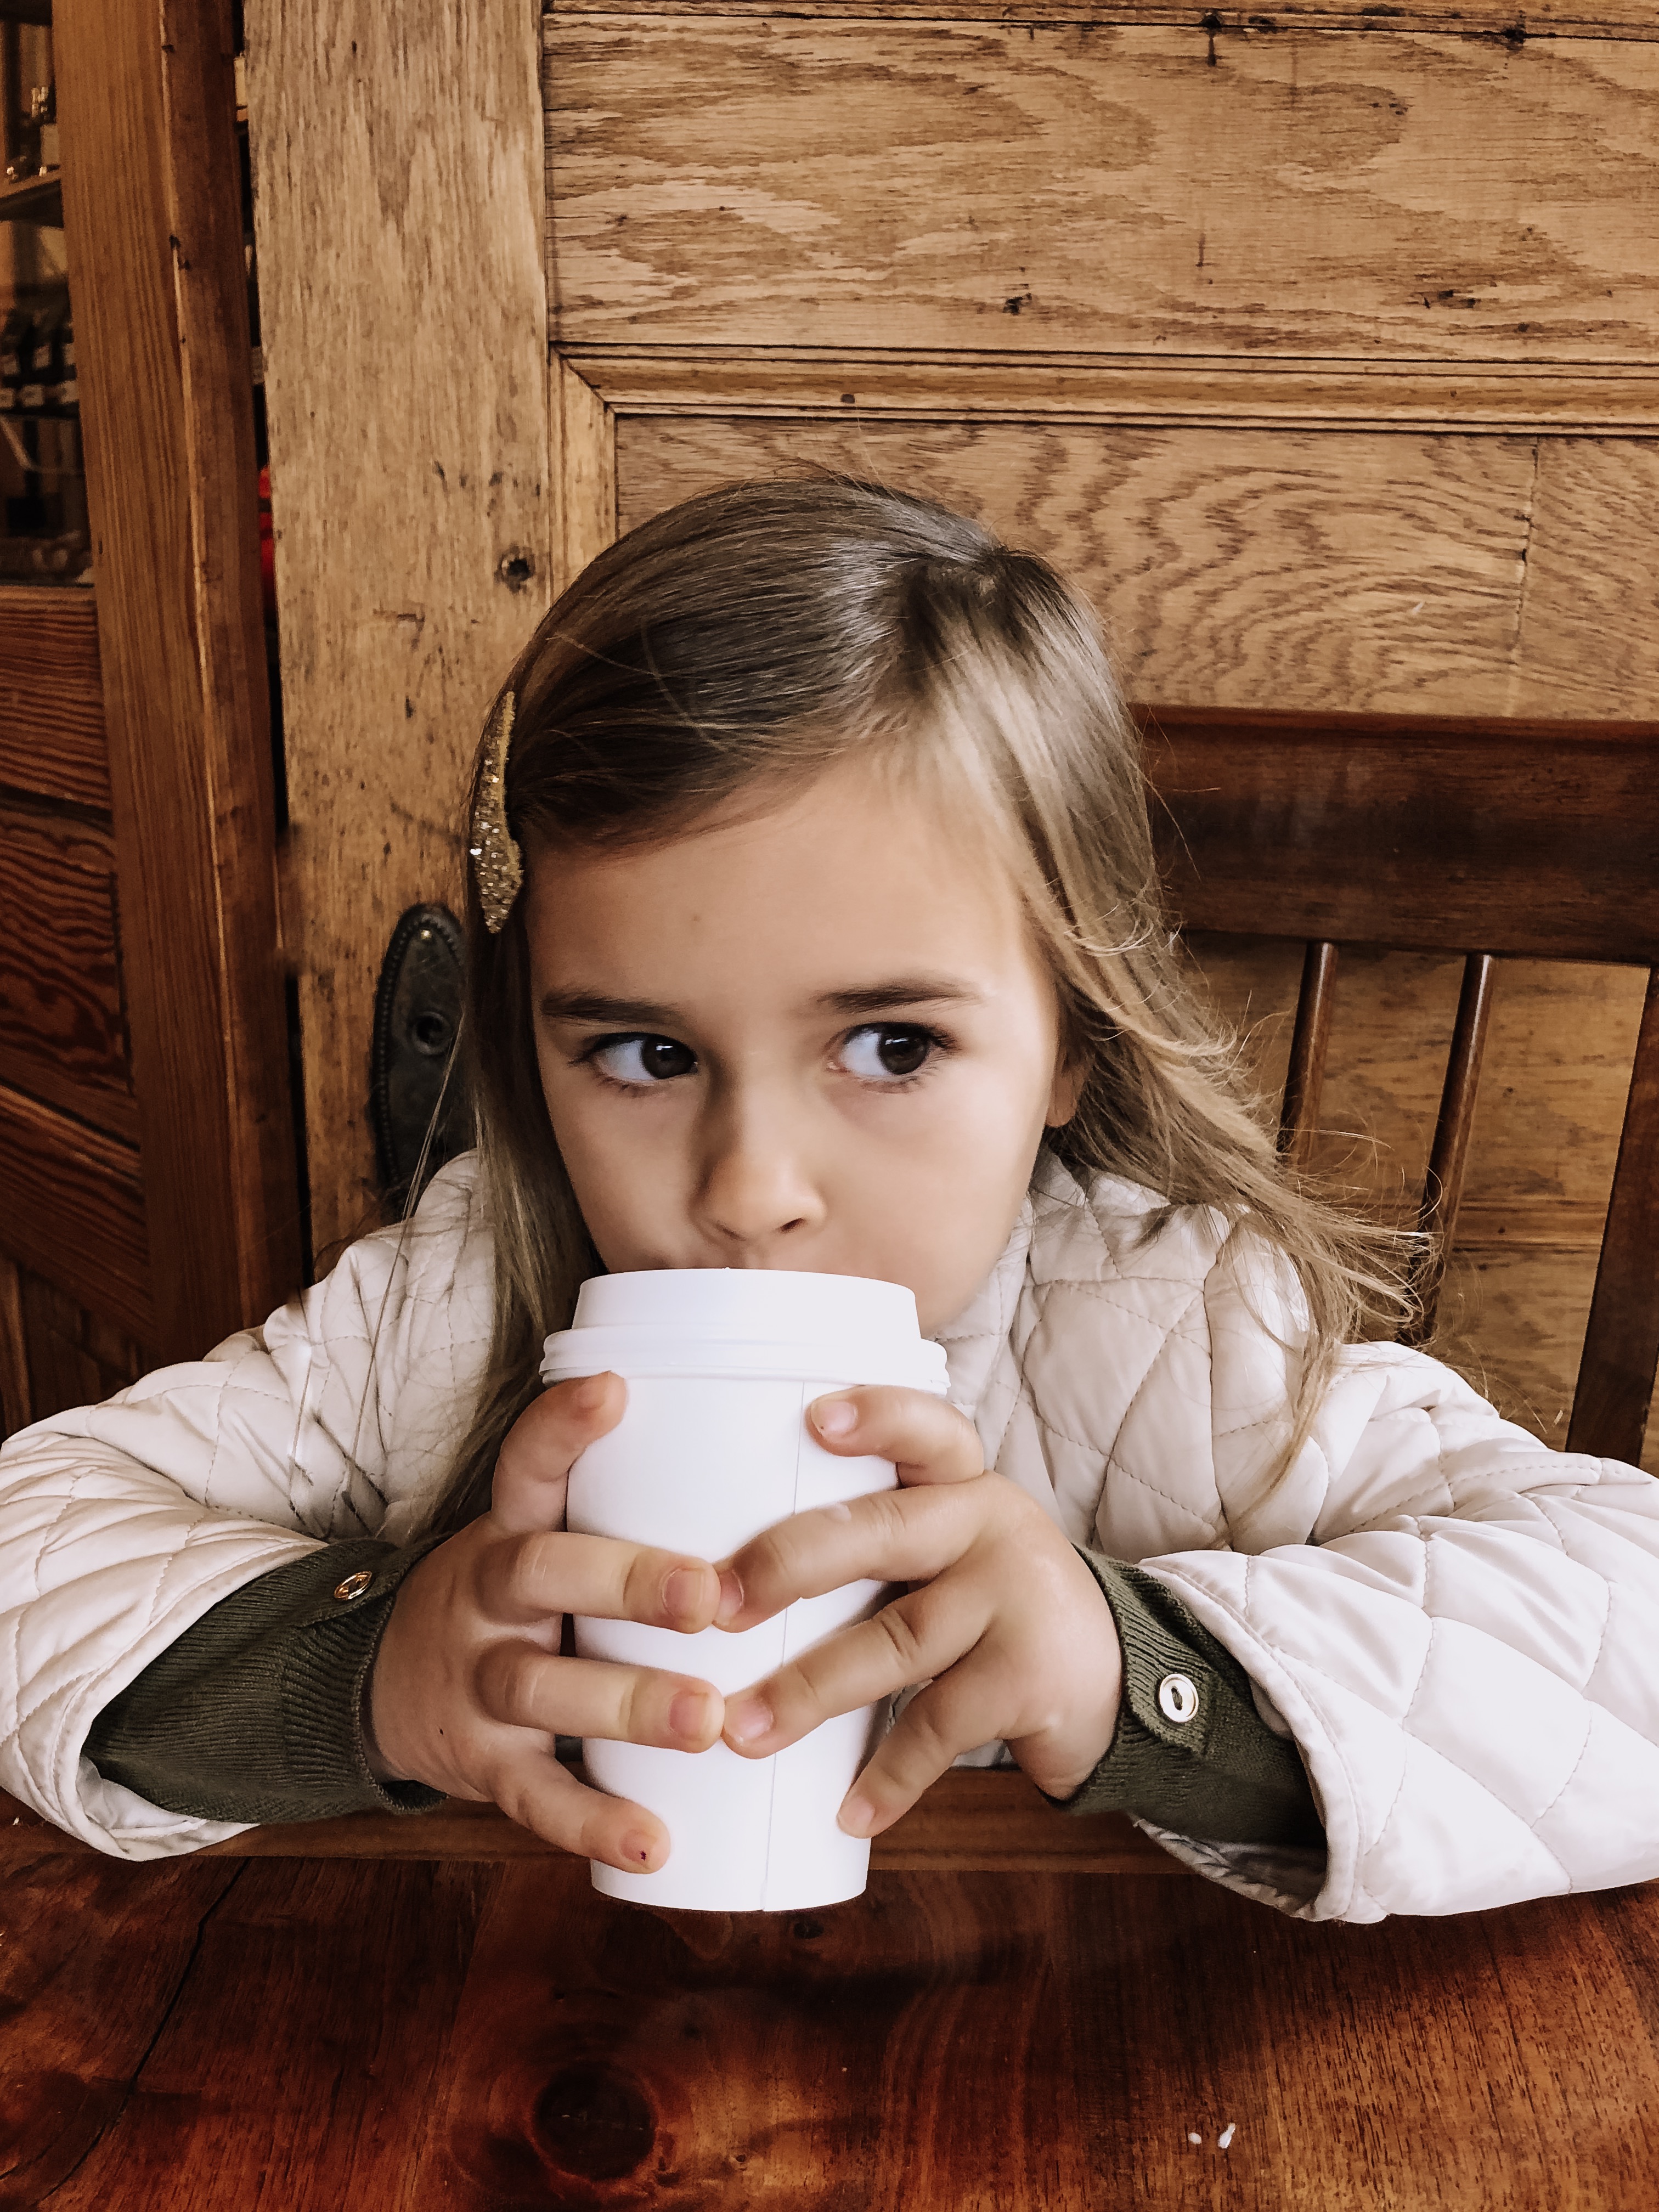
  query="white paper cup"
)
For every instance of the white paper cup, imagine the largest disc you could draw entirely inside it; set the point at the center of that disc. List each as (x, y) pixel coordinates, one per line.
(720, 1365)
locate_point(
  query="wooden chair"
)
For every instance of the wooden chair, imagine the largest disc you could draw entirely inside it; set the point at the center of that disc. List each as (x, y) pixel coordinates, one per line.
(1496, 839)
(1499, 840)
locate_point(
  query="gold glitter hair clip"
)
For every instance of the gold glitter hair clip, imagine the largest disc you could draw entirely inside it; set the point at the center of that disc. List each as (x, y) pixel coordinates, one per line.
(497, 863)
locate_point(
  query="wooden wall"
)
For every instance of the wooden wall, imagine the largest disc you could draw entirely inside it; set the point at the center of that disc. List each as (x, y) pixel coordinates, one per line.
(75, 1273)
(398, 190)
(1321, 346)
(150, 1199)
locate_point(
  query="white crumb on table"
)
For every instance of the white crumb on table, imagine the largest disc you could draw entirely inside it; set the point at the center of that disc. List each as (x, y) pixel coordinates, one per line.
(1224, 2139)
(1191, 2137)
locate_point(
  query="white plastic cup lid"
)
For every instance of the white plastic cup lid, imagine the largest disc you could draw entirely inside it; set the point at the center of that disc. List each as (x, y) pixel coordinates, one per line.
(765, 1304)
(744, 1321)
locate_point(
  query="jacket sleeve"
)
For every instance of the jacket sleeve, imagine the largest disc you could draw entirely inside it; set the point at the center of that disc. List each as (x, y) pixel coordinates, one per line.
(1191, 1752)
(257, 1712)
(1459, 1627)
(121, 1525)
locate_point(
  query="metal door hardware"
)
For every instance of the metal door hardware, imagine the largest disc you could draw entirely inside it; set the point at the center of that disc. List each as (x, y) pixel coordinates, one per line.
(418, 1099)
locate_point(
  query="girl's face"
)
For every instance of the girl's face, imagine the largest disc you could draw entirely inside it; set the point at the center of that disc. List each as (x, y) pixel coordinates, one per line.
(820, 1040)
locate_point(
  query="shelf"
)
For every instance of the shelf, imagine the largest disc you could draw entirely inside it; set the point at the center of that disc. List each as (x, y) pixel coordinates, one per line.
(33, 200)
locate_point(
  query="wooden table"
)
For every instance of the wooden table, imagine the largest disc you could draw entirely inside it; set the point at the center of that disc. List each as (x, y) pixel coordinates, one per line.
(1022, 2011)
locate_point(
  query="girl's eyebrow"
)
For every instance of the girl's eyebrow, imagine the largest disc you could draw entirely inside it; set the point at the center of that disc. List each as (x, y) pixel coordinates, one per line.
(902, 991)
(595, 1007)
(861, 999)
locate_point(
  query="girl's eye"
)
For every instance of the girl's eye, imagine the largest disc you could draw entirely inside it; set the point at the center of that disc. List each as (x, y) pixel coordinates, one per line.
(640, 1061)
(887, 1052)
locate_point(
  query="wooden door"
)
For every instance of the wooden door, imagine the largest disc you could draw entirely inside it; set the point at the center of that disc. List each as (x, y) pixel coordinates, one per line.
(1321, 348)
(150, 1202)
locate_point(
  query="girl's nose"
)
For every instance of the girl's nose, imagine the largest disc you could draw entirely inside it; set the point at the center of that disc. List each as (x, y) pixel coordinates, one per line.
(755, 1185)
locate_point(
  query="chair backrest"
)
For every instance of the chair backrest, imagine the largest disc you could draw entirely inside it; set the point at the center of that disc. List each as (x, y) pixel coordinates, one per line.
(1495, 839)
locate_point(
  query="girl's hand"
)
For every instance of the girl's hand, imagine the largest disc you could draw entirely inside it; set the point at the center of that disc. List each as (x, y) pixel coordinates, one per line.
(1001, 1614)
(468, 1689)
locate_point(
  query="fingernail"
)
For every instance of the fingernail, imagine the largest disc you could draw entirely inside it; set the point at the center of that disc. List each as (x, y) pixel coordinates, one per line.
(688, 1714)
(589, 1395)
(636, 1849)
(857, 1817)
(731, 1604)
(747, 1721)
(834, 1417)
(681, 1589)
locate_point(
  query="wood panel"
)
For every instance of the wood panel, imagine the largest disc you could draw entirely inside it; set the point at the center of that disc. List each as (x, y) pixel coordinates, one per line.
(54, 1354)
(51, 695)
(1587, 626)
(814, 383)
(13, 1355)
(1266, 568)
(153, 222)
(398, 180)
(73, 1357)
(1246, 569)
(74, 1213)
(584, 454)
(1024, 188)
(1589, 19)
(62, 1029)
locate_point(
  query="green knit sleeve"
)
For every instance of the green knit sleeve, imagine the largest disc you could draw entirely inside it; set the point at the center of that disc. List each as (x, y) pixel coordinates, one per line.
(255, 1713)
(1191, 1753)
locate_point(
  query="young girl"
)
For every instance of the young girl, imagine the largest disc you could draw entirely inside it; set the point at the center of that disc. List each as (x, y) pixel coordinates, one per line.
(813, 925)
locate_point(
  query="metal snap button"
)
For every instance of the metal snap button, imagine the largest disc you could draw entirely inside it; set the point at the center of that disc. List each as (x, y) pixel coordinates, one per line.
(1177, 1699)
(354, 1586)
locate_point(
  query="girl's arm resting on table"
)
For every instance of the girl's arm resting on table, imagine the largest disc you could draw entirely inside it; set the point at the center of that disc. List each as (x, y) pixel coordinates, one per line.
(257, 1713)
(1191, 1753)
(122, 1525)
(280, 1704)
(1458, 1626)
(104, 1563)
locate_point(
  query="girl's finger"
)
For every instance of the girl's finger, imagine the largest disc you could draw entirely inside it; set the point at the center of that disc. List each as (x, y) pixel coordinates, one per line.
(526, 1688)
(533, 1465)
(914, 1638)
(894, 1536)
(531, 1788)
(958, 1712)
(927, 1440)
(536, 1577)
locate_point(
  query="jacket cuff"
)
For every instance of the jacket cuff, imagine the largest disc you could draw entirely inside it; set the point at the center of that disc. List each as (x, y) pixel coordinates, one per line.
(1191, 1753)
(256, 1712)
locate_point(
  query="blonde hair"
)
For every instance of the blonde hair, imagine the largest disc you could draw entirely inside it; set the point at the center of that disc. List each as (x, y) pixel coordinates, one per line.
(743, 643)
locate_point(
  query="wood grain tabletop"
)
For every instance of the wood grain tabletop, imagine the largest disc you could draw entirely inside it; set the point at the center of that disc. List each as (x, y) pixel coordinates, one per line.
(1083, 2025)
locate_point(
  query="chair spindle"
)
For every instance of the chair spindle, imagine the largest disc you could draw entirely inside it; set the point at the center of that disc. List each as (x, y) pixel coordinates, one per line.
(1305, 1079)
(1442, 1187)
(1621, 1343)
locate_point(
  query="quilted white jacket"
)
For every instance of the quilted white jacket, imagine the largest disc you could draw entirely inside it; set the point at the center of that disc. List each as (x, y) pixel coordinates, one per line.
(1460, 1628)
